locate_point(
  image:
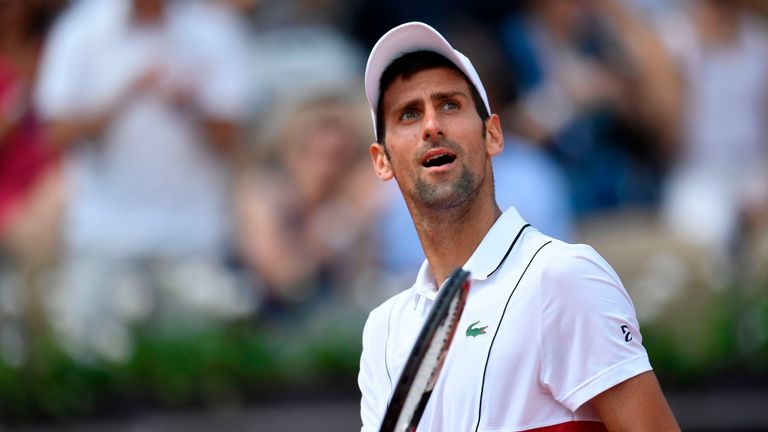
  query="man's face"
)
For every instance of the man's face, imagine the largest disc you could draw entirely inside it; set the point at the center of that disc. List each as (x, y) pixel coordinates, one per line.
(149, 10)
(436, 147)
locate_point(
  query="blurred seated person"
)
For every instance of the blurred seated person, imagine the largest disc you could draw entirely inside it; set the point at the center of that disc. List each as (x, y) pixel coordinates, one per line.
(306, 215)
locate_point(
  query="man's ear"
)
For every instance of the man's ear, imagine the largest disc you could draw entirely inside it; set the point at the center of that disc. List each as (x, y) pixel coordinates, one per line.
(381, 162)
(494, 139)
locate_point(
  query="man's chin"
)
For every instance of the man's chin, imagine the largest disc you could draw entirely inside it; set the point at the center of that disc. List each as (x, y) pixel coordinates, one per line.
(445, 193)
(441, 197)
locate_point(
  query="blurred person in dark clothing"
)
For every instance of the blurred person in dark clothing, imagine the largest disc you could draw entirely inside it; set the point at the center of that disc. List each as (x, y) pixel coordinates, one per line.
(146, 98)
(574, 87)
(702, 70)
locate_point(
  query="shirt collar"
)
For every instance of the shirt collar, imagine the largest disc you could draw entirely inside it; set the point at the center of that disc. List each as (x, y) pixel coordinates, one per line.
(425, 282)
(488, 256)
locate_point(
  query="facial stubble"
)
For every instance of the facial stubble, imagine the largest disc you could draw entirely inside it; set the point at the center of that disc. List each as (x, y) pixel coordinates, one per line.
(445, 196)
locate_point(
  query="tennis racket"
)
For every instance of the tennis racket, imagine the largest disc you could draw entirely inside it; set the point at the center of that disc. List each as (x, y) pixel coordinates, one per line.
(427, 356)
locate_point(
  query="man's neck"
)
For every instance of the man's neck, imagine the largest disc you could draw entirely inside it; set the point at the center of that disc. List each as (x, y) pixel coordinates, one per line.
(450, 237)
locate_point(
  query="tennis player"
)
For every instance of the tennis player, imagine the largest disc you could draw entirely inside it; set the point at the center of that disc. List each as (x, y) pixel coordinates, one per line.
(548, 340)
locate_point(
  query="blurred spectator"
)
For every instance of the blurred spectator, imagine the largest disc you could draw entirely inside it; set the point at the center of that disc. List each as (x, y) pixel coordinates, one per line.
(719, 180)
(31, 191)
(30, 187)
(701, 70)
(572, 89)
(306, 217)
(147, 97)
(302, 64)
(698, 71)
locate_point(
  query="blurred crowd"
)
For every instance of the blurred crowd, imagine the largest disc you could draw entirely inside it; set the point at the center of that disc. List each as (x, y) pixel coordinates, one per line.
(164, 162)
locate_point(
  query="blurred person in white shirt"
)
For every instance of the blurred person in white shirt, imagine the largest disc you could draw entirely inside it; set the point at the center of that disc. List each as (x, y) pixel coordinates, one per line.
(146, 96)
(719, 178)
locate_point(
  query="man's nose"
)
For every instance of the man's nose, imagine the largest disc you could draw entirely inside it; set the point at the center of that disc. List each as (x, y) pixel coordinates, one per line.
(432, 128)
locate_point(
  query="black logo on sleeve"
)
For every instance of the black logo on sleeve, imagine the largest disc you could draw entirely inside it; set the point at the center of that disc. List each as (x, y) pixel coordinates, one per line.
(626, 332)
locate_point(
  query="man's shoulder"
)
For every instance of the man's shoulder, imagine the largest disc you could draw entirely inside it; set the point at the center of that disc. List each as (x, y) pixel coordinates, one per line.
(559, 260)
(381, 313)
(85, 25)
(575, 273)
(377, 325)
(559, 254)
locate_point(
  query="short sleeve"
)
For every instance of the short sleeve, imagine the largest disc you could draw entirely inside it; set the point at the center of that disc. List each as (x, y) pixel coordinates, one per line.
(61, 66)
(373, 380)
(590, 337)
(222, 51)
(224, 94)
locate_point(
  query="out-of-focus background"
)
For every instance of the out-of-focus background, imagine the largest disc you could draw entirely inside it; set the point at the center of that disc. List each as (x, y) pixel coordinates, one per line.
(191, 234)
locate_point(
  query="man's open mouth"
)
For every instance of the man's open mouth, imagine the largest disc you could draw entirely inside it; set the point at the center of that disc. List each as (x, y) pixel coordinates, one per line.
(437, 160)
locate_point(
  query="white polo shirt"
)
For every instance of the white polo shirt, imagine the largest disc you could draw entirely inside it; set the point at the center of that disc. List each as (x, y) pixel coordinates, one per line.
(547, 326)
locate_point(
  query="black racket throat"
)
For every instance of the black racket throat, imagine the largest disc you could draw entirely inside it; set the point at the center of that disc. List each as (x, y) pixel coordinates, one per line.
(428, 354)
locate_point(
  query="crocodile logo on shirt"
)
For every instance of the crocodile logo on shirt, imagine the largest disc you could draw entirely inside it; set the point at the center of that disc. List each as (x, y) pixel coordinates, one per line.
(475, 331)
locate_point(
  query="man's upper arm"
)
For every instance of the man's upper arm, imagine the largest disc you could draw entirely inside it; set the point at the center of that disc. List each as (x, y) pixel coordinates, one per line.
(636, 404)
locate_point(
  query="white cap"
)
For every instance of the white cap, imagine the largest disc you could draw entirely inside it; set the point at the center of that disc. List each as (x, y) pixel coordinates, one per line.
(407, 38)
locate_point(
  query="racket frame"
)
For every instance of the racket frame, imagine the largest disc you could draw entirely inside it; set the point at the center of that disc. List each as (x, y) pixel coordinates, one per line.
(446, 310)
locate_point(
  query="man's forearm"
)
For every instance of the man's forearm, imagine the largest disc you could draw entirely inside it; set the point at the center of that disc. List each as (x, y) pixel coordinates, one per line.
(67, 133)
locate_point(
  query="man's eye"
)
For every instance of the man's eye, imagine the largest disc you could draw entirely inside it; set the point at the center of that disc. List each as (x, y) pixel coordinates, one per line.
(408, 115)
(450, 105)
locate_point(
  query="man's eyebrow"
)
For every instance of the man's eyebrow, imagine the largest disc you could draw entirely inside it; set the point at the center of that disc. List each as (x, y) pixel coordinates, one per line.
(410, 104)
(447, 95)
(417, 102)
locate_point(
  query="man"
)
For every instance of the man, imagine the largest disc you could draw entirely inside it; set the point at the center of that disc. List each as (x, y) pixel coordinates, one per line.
(548, 339)
(147, 107)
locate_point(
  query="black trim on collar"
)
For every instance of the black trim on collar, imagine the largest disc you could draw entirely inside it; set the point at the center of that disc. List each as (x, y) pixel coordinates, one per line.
(519, 233)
